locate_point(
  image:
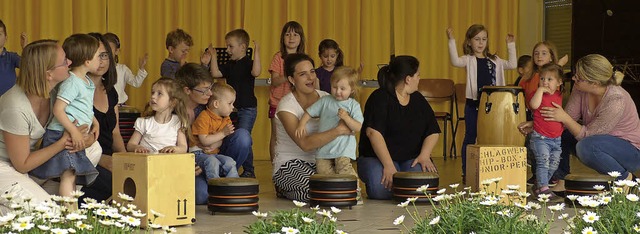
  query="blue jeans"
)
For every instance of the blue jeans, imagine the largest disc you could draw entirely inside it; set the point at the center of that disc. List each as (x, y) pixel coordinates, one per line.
(568, 146)
(237, 146)
(370, 172)
(471, 129)
(212, 164)
(246, 120)
(606, 153)
(202, 189)
(547, 152)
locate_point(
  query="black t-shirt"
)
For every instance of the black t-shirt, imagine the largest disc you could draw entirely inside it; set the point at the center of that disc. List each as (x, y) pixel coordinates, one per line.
(107, 123)
(404, 128)
(238, 75)
(486, 74)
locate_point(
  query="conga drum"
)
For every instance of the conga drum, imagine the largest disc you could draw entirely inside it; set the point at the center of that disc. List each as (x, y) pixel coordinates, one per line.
(234, 195)
(582, 184)
(500, 111)
(333, 190)
(405, 185)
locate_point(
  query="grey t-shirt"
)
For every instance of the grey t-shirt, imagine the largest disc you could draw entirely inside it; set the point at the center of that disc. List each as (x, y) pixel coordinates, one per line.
(17, 117)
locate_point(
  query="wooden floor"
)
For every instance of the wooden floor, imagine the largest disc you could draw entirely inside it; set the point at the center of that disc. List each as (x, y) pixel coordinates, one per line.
(373, 217)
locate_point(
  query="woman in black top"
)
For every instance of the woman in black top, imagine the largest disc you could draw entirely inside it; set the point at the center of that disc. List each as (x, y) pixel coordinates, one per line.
(105, 109)
(399, 128)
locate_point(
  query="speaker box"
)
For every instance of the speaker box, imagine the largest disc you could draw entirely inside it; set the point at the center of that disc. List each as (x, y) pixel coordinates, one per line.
(164, 183)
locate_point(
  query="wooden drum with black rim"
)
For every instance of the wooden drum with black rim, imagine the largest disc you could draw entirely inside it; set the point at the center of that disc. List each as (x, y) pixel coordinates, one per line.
(236, 195)
(405, 185)
(333, 190)
(582, 184)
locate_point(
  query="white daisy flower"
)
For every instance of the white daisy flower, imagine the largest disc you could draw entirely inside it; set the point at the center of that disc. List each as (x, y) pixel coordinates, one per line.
(398, 220)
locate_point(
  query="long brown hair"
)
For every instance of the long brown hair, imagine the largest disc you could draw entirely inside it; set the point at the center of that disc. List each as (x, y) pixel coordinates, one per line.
(471, 33)
(177, 99)
(297, 28)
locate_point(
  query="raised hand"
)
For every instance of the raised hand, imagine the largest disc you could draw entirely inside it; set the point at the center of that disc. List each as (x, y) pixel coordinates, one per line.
(510, 38)
(143, 61)
(450, 33)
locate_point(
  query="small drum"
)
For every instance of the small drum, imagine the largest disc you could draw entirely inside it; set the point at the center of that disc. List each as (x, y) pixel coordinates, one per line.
(500, 111)
(233, 195)
(582, 184)
(405, 185)
(333, 190)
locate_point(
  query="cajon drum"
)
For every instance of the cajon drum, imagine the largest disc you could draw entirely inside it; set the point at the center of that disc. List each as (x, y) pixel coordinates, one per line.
(164, 183)
(235, 195)
(492, 161)
(405, 185)
(333, 190)
(582, 184)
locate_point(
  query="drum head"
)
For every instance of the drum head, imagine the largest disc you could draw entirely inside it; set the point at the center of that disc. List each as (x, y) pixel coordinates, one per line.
(233, 181)
(333, 177)
(415, 175)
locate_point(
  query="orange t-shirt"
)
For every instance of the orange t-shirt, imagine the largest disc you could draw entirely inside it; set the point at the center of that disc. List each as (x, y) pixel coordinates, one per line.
(208, 123)
(277, 92)
(530, 86)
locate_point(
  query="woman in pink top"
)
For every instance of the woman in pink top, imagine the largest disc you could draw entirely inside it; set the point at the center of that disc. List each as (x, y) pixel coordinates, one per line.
(609, 133)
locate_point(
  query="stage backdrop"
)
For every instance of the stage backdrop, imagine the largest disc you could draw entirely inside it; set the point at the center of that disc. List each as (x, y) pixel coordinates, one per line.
(368, 31)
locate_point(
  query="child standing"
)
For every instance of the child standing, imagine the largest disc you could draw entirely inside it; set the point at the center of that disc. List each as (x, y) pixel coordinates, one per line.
(241, 72)
(164, 126)
(73, 107)
(291, 42)
(9, 61)
(178, 44)
(546, 136)
(125, 76)
(543, 53)
(483, 68)
(335, 157)
(210, 128)
(331, 56)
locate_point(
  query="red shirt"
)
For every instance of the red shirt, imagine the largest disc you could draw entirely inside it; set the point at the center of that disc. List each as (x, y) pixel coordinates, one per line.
(550, 129)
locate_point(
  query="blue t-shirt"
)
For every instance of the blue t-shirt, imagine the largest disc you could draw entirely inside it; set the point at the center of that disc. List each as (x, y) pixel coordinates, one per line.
(486, 73)
(9, 61)
(169, 68)
(327, 109)
(78, 94)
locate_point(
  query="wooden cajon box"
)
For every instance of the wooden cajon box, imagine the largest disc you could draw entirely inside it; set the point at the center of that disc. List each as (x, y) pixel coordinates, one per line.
(164, 183)
(493, 161)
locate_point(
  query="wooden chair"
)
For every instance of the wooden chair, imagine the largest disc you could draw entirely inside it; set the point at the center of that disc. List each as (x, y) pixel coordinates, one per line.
(461, 100)
(440, 91)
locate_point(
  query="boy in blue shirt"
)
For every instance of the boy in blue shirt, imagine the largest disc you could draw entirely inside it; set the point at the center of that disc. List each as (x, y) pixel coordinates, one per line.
(9, 61)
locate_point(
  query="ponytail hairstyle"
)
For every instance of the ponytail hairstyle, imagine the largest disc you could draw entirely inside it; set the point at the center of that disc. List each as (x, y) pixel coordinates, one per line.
(177, 99)
(471, 33)
(396, 72)
(331, 44)
(556, 70)
(597, 69)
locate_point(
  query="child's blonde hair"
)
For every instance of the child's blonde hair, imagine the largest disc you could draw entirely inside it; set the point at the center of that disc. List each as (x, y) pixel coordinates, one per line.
(177, 100)
(346, 72)
(80, 48)
(38, 58)
(597, 69)
(471, 33)
(219, 89)
(557, 72)
(239, 34)
(175, 37)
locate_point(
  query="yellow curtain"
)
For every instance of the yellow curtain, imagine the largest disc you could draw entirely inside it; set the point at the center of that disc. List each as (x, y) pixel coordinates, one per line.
(368, 31)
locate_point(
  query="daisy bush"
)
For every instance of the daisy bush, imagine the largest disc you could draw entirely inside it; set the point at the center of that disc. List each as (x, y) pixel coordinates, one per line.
(613, 211)
(297, 220)
(61, 215)
(463, 211)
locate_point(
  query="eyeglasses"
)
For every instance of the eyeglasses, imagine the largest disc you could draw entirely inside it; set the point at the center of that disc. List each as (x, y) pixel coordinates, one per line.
(64, 64)
(204, 92)
(104, 56)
